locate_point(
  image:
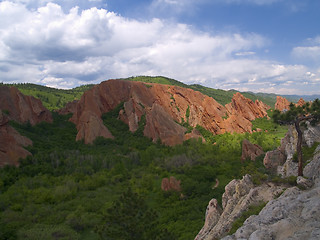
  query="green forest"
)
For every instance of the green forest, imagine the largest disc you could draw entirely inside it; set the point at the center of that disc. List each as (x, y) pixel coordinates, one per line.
(111, 189)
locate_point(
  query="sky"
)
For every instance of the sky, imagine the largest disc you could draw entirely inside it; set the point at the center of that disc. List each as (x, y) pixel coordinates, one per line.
(270, 46)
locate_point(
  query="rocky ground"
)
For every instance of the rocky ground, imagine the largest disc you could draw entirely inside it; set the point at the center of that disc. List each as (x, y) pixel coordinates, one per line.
(294, 215)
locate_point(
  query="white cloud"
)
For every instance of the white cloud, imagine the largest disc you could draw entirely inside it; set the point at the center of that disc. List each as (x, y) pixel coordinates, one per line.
(50, 46)
(311, 50)
(312, 53)
(245, 53)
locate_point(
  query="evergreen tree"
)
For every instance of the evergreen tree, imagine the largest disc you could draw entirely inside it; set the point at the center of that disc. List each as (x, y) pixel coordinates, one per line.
(129, 218)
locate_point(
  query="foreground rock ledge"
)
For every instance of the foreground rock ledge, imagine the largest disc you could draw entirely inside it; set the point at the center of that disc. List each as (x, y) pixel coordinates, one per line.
(238, 196)
(294, 215)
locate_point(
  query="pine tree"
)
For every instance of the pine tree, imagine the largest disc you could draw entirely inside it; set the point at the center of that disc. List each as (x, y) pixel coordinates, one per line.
(130, 218)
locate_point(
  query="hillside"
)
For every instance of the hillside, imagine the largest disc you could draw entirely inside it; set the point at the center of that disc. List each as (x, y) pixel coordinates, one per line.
(51, 98)
(54, 99)
(67, 187)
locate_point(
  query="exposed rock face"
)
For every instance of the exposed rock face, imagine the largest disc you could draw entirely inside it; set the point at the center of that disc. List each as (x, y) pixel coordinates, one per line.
(160, 125)
(250, 150)
(312, 170)
(194, 134)
(171, 184)
(69, 108)
(23, 108)
(281, 159)
(18, 107)
(245, 107)
(241, 112)
(282, 104)
(301, 102)
(164, 107)
(238, 196)
(294, 215)
(11, 143)
(274, 158)
(262, 106)
(311, 134)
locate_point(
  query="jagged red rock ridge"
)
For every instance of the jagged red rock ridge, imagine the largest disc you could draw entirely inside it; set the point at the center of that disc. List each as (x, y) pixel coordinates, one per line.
(20, 108)
(164, 107)
(283, 104)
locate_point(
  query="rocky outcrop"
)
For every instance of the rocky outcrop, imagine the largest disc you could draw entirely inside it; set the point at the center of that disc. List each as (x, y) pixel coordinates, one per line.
(241, 111)
(171, 184)
(164, 107)
(312, 170)
(294, 215)
(22, 108)
(238, 196)
(194, 134)
(11, 143)
(250, 150)
(281, 159)
(18, 107)
(282, 104)
(245, 107)
(69, 108)
(274, 159)
(301, 102)
(311, 134)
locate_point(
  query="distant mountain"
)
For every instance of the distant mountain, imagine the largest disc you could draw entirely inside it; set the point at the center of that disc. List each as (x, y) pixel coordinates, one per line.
(295, 98)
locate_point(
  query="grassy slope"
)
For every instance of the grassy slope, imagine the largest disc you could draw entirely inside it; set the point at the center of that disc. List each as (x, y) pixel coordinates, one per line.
(52, 98)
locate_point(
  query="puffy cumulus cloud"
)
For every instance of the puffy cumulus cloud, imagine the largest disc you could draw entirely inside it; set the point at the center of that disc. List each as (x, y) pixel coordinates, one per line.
(58, 48)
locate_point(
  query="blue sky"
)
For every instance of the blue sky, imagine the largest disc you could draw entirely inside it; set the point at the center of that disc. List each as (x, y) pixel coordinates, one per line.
(250, 45)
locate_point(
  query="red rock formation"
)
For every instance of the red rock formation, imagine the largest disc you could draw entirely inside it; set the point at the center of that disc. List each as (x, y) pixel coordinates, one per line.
(241, 111)
(23, 108)
(194, 134)
(301, 102)
(250, 150)
(245, 107)
(18, 107)
(69, 108)
(261, 105)
(164, 107)
(282, 104)
(11, 143)
(171, 184)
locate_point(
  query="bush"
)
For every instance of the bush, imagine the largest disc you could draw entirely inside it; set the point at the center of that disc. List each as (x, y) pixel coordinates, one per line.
(48, 232)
